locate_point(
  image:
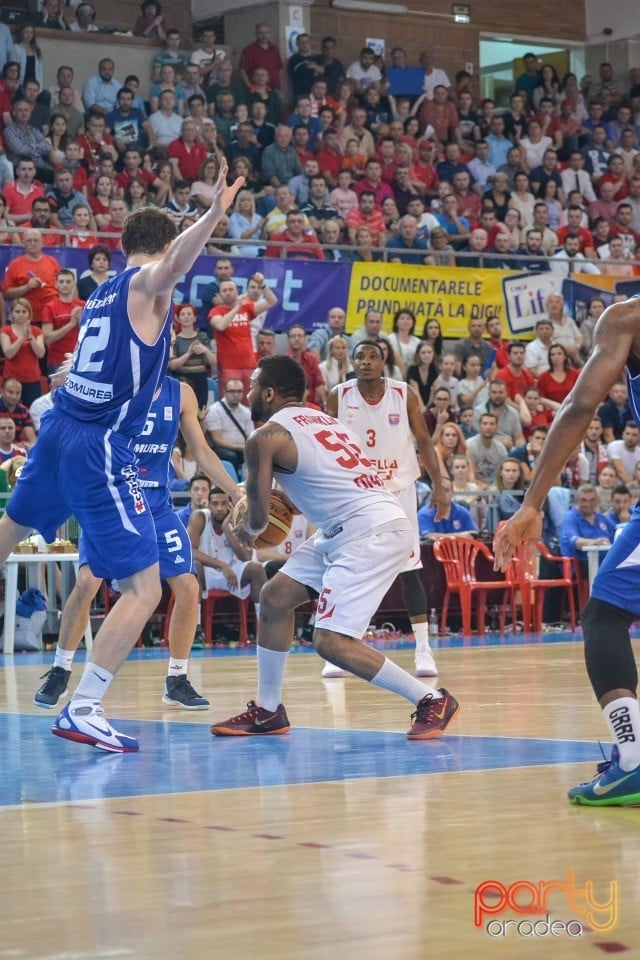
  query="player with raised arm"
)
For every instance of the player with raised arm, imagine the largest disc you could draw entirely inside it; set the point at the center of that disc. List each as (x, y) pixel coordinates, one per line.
(615, 599)
(83, 463)
(361, 544)
(174, 406)
(385, 416)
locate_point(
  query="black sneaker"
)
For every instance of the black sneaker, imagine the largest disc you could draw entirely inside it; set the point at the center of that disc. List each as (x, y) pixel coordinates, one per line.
(198, 639)
(54, 687)
(178, 692)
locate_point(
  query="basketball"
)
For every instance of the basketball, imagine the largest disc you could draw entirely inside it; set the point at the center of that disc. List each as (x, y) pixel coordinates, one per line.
(280, 517)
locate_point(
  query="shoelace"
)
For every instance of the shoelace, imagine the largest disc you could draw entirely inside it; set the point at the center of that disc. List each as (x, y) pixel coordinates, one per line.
(249, 714)
(422, 710)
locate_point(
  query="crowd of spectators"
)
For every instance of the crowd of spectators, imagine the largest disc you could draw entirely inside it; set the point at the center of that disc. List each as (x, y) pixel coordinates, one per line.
(337, 167)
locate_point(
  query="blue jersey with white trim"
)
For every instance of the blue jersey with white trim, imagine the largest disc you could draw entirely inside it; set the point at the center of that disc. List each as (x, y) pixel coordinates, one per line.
(154, 445)
(115, 374)
(633, 393)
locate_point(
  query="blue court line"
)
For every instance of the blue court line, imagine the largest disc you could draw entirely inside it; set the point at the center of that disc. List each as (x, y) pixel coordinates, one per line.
(453, 642)
(36, 767)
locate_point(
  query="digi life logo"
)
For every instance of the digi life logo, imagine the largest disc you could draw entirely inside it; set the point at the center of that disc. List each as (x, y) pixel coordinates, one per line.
(492, 899)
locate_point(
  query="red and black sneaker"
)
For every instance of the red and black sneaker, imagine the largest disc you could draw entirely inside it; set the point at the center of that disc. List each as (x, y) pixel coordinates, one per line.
(432, 717)
(255, 721)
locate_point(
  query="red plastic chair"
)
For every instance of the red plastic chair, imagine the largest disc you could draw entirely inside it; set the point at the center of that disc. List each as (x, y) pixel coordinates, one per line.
(208, 607)
(459, 556)
(535, 587)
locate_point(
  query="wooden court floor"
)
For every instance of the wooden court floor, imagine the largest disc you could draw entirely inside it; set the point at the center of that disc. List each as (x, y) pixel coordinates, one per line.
(339, 840)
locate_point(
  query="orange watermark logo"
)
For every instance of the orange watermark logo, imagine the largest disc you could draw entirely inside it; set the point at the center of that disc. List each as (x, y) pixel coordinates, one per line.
(492, 898)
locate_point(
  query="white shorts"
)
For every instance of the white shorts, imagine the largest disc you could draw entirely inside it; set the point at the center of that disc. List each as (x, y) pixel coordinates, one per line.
(409, 504)
(351, 580)
(215, 580)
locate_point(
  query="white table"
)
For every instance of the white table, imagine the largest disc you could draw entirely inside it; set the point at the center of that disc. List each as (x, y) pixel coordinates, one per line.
(11, 589)
(593, 552)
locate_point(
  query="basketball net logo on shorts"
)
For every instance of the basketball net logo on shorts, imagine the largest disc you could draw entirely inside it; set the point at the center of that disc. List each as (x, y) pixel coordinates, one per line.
(130, 475)
(491, 897)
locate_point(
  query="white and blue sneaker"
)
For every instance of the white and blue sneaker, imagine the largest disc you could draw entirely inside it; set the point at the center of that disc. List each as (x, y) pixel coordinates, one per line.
(84, 721)
(611, 787)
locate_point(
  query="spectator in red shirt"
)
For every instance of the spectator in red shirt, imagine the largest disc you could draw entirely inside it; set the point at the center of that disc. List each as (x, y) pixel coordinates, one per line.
(41, 220)
(622, 227)
(95, 141)
(20, 194)
(557, 382)
(424, 170)
(441, 114)
(515, 375)
(60, 320)
(573, 228)
(261, 53)
(115, 224)
(366, 215)
(372, 181)
(10, 405)
(187, 152)
(231, 322)
(616, 175)
(32, 275)
(493, 326)
(299, 243)
(133, 170)
(22, 347)
(330, 157)
(297, 340)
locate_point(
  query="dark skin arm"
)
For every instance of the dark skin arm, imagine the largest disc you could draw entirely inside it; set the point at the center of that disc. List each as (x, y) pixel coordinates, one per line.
(423, 439)
(616, 341)
(268, 449)
(427, 452)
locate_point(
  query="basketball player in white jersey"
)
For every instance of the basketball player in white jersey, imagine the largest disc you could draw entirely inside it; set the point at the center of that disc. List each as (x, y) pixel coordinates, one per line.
(361, 528)
(222, 563)
(385, 415)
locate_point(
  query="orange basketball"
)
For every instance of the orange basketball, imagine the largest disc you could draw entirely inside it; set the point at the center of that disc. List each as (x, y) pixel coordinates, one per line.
(280, 518)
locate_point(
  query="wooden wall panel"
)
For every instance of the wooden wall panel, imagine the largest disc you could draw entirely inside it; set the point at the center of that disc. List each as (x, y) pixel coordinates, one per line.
(453, 44)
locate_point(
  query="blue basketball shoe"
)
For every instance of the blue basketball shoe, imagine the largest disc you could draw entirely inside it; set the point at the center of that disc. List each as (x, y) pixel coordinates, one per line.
(84, 722)
(611, 787)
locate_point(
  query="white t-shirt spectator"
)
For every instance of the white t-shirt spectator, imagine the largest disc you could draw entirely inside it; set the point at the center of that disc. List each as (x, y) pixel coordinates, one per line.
(617, 451)
(217, 419)
(357, 72)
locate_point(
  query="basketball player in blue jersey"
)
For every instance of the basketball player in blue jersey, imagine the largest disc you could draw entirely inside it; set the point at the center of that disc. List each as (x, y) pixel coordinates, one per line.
(615, 596)
(84, 464)
(175, 406)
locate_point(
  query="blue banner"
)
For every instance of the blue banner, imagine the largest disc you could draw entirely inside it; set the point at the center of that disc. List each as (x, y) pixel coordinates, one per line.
(306, 289)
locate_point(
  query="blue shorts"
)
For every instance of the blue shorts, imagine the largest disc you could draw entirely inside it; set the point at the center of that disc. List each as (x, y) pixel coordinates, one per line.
(618, 579)
(174, 546)
(81, 469)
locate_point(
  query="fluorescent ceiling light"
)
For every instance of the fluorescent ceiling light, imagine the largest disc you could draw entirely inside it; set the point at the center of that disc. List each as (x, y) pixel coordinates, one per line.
(394, 9)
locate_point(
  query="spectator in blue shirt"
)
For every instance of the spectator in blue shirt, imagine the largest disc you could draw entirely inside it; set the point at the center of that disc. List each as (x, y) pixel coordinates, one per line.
(457, 520)
(199, 490)
(405, 247)
(584, 526)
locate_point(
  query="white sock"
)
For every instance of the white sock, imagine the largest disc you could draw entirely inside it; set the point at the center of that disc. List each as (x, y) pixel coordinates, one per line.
(93, 684)
(257, 609)
(199, 619)
(177, 668)
(421, 633)
(63, 658)
(271, 667)
(392, 677)
(623, 720)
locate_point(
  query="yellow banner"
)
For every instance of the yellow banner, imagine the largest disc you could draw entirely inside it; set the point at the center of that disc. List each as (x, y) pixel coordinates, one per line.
(450, 295)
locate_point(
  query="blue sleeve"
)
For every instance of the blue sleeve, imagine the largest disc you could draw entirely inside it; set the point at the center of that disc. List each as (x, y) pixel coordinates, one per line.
(426, 521)
(465, 517)
(569, 533)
